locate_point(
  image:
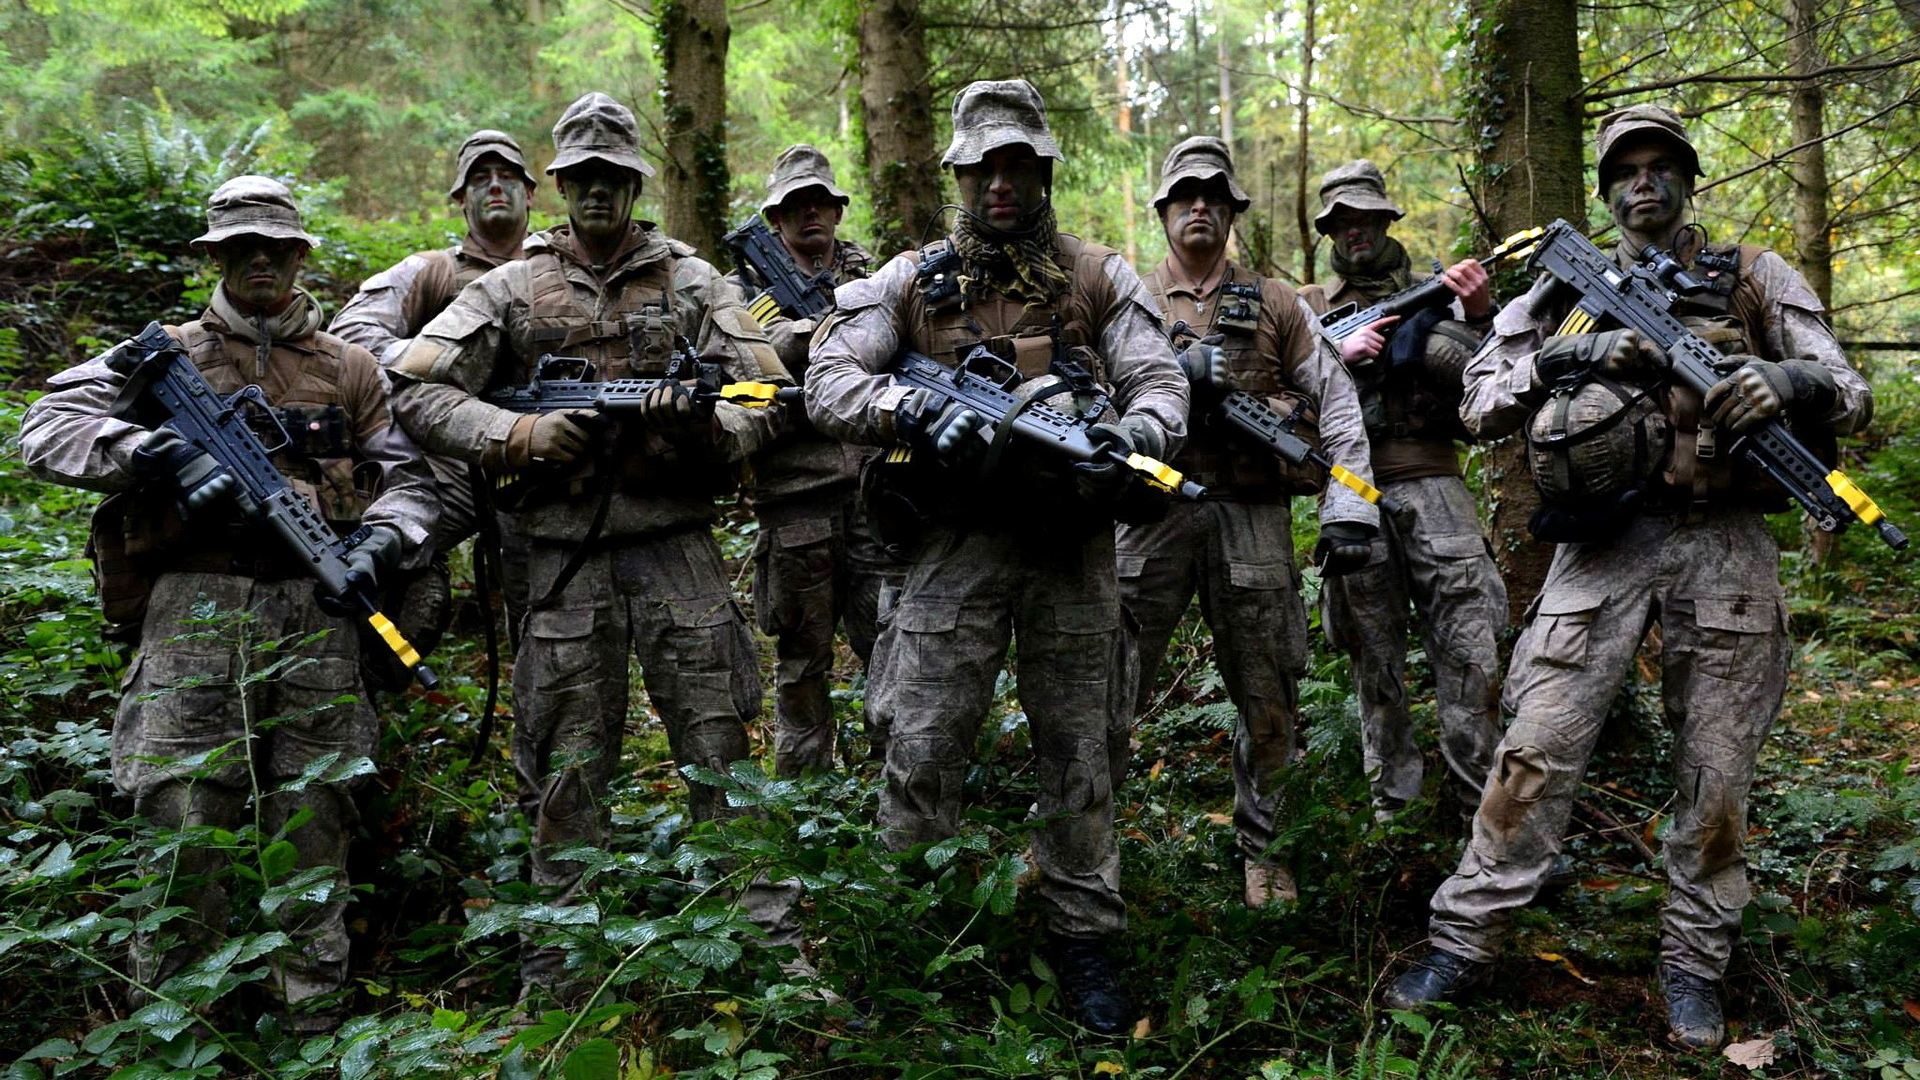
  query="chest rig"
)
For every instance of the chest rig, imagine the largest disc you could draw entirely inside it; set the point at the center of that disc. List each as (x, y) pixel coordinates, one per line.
(1056, 339)
(1213, 456)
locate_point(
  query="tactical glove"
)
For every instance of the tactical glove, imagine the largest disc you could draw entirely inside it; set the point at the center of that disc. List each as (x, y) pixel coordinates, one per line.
(1113, 486)
(378, 553)
(1343, 547)
(1205, 365)
(670, 410)
(1760, 390)
(556, 437)
(929, 420)
(1616, 354)
(202, 480)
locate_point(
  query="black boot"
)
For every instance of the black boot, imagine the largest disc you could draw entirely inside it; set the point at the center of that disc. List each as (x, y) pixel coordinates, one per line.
(1092, 995)
(1439, 976)
(1694, 1020)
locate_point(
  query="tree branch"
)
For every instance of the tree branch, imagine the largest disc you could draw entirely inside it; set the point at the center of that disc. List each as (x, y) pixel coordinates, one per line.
(1910, 98)
(1699, 80)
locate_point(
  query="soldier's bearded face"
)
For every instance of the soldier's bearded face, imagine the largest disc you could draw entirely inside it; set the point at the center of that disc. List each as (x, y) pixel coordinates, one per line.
(259, 271)
(807, 221)
(1198, 214)
(600, 199)
(1359, 235)
(495, 199)
(1647, 188)
(1006, 187)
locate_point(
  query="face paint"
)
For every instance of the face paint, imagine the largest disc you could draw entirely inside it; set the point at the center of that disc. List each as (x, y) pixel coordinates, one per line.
(1005, 187)
(495, 199)
(1198, 215)
(600, 200)
(259, 271)
(807, 221)
(1359, 235)
(1646, 191)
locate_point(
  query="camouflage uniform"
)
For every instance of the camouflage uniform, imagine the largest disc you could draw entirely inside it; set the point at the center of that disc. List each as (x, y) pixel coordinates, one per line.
(390, 308)
(652, 583)
(1708, 574)
(815, 560)
(1235, 549)
(1435, 557)
(70, 436)
(1022, 566)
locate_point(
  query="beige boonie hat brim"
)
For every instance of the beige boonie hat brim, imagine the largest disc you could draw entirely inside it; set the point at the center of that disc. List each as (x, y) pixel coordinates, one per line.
(253, 206)
(612, 155)
(780, 194)
(1636, 121)
(976, 145)
(478, 146)
(275, 230)
(1202, 158)
(1355, 197)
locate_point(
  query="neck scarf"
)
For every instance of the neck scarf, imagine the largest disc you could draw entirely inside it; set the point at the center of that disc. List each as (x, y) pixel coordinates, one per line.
(1389, 272)
(300, 319)
(1023, 268)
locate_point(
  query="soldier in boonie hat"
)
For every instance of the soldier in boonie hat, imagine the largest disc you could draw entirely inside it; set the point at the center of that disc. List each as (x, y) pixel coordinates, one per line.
(1357, 185)
(798, 168)
(1631, 124)
(253, 206)
(596, 127)
(990, 114)
(1202, 158)
(479, 145)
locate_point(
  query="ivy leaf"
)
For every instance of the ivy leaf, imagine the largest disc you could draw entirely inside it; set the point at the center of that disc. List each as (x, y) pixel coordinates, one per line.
(595, 1059)
(709, 952)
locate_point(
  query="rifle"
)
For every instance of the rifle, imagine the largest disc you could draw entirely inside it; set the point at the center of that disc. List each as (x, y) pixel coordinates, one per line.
(1349, 319)
(160, 372)
(788, 291)
(982, 382)
(1639, 299)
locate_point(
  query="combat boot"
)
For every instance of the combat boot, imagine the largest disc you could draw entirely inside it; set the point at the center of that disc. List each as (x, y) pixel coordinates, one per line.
(1092, 995)
(1694, 1020)
(1439, 976)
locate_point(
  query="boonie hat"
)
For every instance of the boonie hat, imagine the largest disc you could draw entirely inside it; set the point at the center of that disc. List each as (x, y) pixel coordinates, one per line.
(596, 127)
(1639, 119)
(800, 167)
(253, 206)
(479, 145)
(1201, 157)
(990, 114)
(1357, 185)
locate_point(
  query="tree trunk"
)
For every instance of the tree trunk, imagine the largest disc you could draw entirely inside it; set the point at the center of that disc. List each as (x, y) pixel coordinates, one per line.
(1302, 216)
(1811, 214)
(903, 169)
(1527, 109)
(693, 56)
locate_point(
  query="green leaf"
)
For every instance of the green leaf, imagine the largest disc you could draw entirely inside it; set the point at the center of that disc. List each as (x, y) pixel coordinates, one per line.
(165, 1019)
(1019, 999)
(595, 1059)
(52, 1048)
(709, 952)
(278, 858)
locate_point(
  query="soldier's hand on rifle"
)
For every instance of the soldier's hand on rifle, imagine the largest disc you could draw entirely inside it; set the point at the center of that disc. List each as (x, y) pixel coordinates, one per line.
(202, 480)
(933, 421)
(557, 437)
(671, 411)
(1616, 354)
(379, 552)
(1760, 390)
(1109, 483)
(1343, 547)
(1473, 285)
(1365, 343)
(1205, 365)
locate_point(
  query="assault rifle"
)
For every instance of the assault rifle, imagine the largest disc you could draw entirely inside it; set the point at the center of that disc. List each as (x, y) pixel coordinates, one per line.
(569, 382)
(1349, 319)
(788, 291)
(982, 382)
(161, 378)
(1639, 299)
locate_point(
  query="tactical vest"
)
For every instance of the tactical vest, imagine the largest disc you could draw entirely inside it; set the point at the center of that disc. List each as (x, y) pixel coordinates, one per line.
(1228, 466)
(446, 274)
(1023, 336)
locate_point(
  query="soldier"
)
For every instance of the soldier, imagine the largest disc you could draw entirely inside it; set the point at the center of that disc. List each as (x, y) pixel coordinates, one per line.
(816, 562)
(1435, 555)
(1235, 549)
(492, 186)
(1694, 557)
(1023, 552)
(173, 512)
(648, 580)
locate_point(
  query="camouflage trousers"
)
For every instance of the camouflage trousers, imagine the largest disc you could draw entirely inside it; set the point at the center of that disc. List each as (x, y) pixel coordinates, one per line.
(182, 699)
(1436, 562)
(816, 565)
(968, 595)
(1713, 586)
(1238, 558)
(666, 600)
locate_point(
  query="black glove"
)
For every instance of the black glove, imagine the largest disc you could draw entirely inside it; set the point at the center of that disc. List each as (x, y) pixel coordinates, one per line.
(378, 553)
(202, 480)
(1205, 365)
(1761, 390)
(932, 421)
(1343, 547)
(671, 411)
(1616, 354)
(1111, 485)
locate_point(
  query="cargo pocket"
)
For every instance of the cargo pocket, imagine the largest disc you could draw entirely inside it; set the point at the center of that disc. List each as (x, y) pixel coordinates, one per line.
(921, 628)
(791, 561)
(1078, 654)
(316, 720)
(1129, 566)
(1727, 626)
(1562, 630)
(1268, 603)
(562, 644)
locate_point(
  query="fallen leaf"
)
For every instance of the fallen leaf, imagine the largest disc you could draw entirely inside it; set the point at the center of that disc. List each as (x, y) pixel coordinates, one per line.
(1881, 684)
(1913, 1009)
(1556, 958)
(1144, 1028)
(1154, 773)
(1812, 760)
(1599, 884)
(1108, 1068)
(1753, 1054)
(1220, 819)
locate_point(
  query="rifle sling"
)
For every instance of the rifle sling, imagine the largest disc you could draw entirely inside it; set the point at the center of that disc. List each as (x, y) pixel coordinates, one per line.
(578, 557)
(1003, 430)
(486, 552)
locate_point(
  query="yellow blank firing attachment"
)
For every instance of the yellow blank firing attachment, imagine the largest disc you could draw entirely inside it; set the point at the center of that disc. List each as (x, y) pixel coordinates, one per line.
(764, 308)
(1577, 322)
(1164, 476)
(757, 395)
(1863, 505)
(1360, 487)
(1519, 244)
